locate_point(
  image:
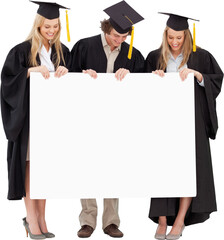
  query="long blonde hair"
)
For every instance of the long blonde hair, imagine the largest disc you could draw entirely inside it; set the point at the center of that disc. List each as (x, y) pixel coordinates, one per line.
(166, 50)
(36, 39)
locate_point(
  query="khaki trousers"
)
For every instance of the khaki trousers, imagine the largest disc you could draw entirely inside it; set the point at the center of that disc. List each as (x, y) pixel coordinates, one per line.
(88, 214)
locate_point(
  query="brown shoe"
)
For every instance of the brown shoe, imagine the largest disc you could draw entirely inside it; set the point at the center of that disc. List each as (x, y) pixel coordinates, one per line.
(113, 231)
(85, 231)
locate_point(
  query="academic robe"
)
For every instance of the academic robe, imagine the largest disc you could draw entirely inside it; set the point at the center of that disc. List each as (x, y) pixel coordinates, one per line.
(15, 112)
(88, 53)
(206, 125)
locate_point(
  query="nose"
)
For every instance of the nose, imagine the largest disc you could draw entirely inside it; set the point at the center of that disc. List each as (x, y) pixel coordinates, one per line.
(51, 30)
(175, 41)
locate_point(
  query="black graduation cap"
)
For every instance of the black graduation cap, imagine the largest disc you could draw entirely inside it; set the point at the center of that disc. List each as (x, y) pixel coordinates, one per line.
(49, 10)
(122, 17)
(177, 22)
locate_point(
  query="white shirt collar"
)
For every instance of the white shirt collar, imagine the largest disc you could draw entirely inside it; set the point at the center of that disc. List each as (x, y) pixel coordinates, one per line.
(44, 51)
(45, 58)
(179, 56)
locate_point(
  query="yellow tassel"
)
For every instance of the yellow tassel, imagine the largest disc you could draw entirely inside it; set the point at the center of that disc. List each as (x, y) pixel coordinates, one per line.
(194, 44)
(67, 27)
(131, 43)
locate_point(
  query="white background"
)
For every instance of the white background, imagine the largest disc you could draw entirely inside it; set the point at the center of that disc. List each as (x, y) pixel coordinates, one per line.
(16, 19)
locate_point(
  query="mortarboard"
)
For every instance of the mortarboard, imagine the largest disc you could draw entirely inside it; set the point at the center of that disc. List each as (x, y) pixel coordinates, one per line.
(50, 10)
(122, 16)
(177, 22)
(180, 23)
(122, 19)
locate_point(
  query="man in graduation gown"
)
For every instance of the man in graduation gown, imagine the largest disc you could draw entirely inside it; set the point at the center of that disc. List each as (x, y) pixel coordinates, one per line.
(107, 53)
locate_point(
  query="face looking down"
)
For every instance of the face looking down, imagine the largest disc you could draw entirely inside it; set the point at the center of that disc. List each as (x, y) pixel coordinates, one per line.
(175, 40)
(49, 28)
(115, 39)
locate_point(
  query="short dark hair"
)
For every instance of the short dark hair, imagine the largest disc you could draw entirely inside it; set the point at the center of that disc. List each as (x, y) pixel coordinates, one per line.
(106, 27)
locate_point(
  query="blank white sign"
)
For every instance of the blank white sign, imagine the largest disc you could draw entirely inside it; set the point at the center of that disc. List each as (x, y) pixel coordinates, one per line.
(107, 138)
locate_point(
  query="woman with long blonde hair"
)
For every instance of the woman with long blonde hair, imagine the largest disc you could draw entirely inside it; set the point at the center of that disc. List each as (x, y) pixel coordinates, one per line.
(178, 54)
(41, 52)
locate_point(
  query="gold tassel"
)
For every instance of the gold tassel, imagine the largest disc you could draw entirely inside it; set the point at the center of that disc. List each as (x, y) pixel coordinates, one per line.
(131, 43)
(67, 27)
(194, 44)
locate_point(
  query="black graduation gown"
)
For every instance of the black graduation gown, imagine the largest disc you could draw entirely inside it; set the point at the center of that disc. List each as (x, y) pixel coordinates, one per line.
(206, 126)
(88, 53)
(15, 112)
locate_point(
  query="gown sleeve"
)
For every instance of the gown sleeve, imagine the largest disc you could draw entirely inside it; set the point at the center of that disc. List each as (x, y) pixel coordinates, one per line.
(67, 56)
(139, 62)
(78, 54)
(151, 61)
(213, 81)
(14, 92)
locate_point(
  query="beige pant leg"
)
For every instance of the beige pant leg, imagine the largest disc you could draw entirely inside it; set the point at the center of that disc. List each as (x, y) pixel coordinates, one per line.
(89, 212)
(110, 213)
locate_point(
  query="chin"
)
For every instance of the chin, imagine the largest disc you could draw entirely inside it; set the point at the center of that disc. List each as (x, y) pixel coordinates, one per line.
(117, 44)
(176, 49)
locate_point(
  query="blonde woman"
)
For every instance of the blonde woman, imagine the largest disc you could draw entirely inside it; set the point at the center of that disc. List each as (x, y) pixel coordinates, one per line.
(41, 52)
(176, 55)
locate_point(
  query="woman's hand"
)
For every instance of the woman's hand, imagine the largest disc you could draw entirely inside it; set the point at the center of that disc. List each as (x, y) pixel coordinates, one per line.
(42, 69)
(184, 73)
(121, 73)
(159, 72)
(61, 71)
(91, 72)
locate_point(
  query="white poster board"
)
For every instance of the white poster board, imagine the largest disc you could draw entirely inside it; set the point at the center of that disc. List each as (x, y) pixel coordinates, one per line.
(105, 138)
